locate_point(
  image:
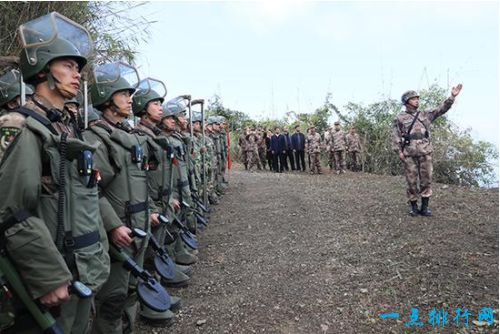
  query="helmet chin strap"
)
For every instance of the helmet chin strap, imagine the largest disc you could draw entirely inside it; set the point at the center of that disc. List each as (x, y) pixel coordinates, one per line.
(55, 83)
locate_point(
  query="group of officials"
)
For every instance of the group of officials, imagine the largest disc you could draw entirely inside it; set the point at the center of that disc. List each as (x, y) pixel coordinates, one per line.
(281, 151)
(99, 214)
(411, 141)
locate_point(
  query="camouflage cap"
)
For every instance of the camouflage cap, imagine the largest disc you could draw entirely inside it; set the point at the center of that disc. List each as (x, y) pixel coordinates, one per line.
(408, 95)
(336, 123)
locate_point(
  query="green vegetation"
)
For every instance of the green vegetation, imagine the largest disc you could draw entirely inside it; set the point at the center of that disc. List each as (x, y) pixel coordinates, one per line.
(114, 30)
(458, 158)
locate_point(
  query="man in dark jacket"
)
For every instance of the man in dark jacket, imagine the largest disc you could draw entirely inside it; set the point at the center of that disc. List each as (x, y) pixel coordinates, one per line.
(298, 146)
(277, 148)
(288, 155)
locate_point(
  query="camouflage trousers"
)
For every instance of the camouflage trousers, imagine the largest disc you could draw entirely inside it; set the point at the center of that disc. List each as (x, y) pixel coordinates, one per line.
(418, 172)
(339, 160)
(253, 159)
(331, 159)
(315, 163)
(244, 157)
(354, 161)
(262, 157)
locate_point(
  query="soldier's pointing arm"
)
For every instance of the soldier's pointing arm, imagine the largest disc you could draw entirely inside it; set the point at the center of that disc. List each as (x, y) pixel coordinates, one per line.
(446, 105)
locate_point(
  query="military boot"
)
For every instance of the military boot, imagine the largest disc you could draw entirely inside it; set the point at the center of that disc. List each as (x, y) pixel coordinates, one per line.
(188, 270)
(157, 319)
(424, 209)
(413, 209)
(180, 280)
(181, 255)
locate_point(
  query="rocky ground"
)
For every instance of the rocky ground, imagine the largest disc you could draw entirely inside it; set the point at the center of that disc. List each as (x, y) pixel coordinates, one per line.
(300, 253)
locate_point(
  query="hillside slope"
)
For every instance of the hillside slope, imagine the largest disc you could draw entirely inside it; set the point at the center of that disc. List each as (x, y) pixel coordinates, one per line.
(296, 253)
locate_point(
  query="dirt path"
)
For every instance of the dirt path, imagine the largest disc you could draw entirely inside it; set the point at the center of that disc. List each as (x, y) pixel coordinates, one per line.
(295, 253)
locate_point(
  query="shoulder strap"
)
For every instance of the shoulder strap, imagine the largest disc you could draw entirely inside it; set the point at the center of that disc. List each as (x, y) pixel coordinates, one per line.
(413, 123)
(30, 113)
(108, 144)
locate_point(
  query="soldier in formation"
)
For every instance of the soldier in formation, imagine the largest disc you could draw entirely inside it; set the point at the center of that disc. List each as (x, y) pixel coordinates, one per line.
(354, 149)
(411, 140)
(337, 145)
(313, 148)
(87, 211)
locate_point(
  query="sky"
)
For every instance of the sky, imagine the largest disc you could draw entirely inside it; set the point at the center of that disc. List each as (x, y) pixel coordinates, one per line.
(267, 58)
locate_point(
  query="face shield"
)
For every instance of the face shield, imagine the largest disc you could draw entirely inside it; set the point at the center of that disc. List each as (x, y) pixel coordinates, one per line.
(45, 30)
(116, 74)
(151, 87)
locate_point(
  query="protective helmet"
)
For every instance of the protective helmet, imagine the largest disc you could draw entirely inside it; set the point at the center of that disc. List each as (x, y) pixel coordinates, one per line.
(50, 37)
(211, 120)
(196, 117)
(94, 115)
(10, 87)
(166, 113)
(175, 106)
(148, 90)
(111, 78)
(221, 119)
(73, 100)
(408, 95)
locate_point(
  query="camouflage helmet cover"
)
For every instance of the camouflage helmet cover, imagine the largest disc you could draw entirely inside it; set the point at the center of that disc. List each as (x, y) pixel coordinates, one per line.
(408, 95)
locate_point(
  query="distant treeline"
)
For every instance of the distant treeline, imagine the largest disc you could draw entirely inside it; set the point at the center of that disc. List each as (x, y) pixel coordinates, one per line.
(458, 159)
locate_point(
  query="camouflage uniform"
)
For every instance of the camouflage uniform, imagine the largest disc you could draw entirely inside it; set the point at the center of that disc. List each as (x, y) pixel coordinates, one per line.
(211, 162)
(252, 151)
(242, 143)
(218, 154)
(418, 151)
(262, 149)
(338, 145)
(354, 149)
(328, 139)
(224, 153)
(313, 147)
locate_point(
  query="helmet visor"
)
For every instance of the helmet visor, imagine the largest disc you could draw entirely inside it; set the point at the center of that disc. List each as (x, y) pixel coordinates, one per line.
(177, 105)
(44, 30)
(112, 72)
(150, 85)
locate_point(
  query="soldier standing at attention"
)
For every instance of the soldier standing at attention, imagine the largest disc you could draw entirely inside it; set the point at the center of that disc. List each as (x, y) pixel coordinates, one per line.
(338, 145)
(354, 149)
(313, 147)
(50, 218)
(412, 142)
(328, 139)
(242, 143)
(252, 150)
